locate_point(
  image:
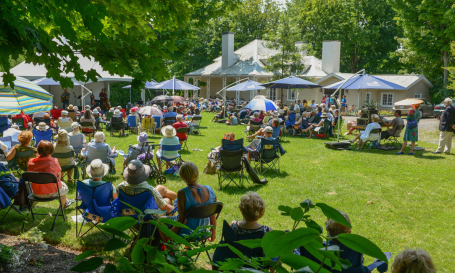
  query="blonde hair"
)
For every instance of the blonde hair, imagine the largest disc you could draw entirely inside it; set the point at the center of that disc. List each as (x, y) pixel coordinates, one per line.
(333, 228)
(252, 206)
(375, 118)
(413, 261)
(25, 137)
(189, 172)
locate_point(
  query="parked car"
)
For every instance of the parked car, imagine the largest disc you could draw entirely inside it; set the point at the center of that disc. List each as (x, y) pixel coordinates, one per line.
(439, 108)
(426, 109)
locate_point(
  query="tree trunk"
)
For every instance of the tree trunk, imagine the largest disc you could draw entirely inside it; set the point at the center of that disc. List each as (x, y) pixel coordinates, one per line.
(446, 64)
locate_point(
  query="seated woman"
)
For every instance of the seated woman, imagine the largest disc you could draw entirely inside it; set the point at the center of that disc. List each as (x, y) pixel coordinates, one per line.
(255, 118)
(252, 208)
(232, 119)
(138, 151)
(63, 146)
(99, 142)
(298, 122)
(317, 127)
(193, 195)
(25, 138)
(219, 115)
(45, 163)
(88, 117)
(366, 135)
(96, 171)
(413, 260)
(169, 138)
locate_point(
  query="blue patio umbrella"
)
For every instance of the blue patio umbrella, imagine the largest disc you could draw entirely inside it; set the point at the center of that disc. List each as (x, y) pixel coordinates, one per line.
(261, 104)
(291, 83)
(246, 86)
(365, 81)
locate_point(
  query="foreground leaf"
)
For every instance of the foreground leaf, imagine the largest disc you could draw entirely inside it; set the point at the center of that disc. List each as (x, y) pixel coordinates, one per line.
(362, 245)
(297, 214)
(89, 265)
(253, 243)
(84, 255)
(296, 261)
(114, 244)
(121, 223)
(288, 242)
(231, 265)
(114, 231)
(173, 236)
(172, 222)
(333, 214)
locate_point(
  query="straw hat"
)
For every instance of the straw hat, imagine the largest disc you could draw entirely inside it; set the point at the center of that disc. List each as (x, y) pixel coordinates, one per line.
(62, 135)
(136, 172)
(324, 115)
(117, 112)
(87, 107)
(64, 113)
(268, 129)
(75, 125)
(275, 113)
(142, 137)
(42, 127)
(70, 107)
(97, 169)
(168, 131)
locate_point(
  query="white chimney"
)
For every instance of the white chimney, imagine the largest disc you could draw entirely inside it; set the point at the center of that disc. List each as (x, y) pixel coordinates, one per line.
(227, 50)
(299, 44)
(331, 56)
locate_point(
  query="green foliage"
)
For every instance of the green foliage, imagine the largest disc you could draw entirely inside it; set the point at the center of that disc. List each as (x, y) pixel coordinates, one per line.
(6, 254)
(365, 28)
(133, 38)
(451, 85)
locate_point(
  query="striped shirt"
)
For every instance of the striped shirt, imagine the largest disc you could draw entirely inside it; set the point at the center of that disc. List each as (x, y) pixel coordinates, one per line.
(130, 190)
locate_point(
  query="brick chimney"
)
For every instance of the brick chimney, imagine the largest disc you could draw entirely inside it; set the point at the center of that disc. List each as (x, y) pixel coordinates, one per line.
(331, 56)
(227, 50)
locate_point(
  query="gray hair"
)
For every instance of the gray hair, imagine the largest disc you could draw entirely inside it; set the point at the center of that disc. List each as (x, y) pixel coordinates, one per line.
(448, 101)
(256, 114)
(375, 118)
(179, 117)
(171, 108)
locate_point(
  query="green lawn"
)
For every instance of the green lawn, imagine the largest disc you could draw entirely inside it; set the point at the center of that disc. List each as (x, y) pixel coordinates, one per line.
(396, 201)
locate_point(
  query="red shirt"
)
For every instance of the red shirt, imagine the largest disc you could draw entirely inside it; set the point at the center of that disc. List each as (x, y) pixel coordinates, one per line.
(180, 124)
(56, 113)
(124, 113)
(26, 119)
(45, 165)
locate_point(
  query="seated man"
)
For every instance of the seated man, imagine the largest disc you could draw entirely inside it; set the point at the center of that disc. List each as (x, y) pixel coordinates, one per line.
(396, 122)
(267, 133)
(366, 135)
(99, 142)
(317, 127)
(305, 120)
(96, 171)
(13, 132)
(136, 175)
(314, 118)
(180, 124)
(76, 126)
(170, 113)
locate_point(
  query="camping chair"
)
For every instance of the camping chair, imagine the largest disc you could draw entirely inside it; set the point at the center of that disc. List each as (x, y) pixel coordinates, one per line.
(184, 130)
(38, 120)
(87, 131)
(117, 125)
(253, 127)
(72, 115)
(202, 212)
(3, 124)
(92, 153)
(372, 144)
(289, 123)
(158, 121)
(65, 125)
(77, 142)
(132, 124)
(42, 135)
(230, 167)
(228, 236)
(196, 121)
(324, 130)
(19, 122)
(268, 156)
(169, 121)
(7, 141)
(43, 178)
(13, 166)
(56, 113)
(393, 138)
(66, 169)
(95, 205)
(7, 203)
(242, 116)
(98, 123)
(148, 124)
(177, 158)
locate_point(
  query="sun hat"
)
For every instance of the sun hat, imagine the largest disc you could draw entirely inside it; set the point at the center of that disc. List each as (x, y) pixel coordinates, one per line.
(268, 129)
(314, 111)
(70, 107)
(75, 125)
(324, 115)
(168, 131)
(281, 111)
(119, 107)
(112, 109)
(62, 135)
(42, 126)
(142, 137)
(87, 107)
(97, 169)
(136, 172)
(117, 112)
(133, 110)
(95, 111)
(75, 108)
(275, 113)
(64, 113)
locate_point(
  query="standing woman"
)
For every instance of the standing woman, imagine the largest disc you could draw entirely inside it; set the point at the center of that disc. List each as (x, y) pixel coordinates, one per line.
(412, 129)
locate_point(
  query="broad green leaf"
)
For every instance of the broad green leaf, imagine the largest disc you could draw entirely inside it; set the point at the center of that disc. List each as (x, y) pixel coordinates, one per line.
(329, 255)
(153, 254)
(297, 214)
(313, 247)
(114, 244)
(268, 240)
(121, 223)
(137, 255)
(362, 245)
(285, 210)
(281, 269)
(304, 269)
(84, 255)
(110, 268)
(114, 231)
(333, 214)
(171, 267)
(139, 212)
(173, 236)
(296, 261)
(288, 242)
(307, 204)
(195, 251)
(172, 222)
(125, 265)
(237, 252)
(312, 224)
(345, 263)
(89, 265)
(231, 265)
(253, 243)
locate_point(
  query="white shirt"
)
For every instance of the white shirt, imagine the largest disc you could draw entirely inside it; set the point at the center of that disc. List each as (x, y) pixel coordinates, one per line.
(366, 135)
(297, 108)
(313, 105)
(13, 133)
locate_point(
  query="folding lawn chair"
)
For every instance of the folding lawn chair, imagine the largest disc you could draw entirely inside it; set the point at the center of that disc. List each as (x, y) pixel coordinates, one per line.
(184, 130)
(230, 167)
(3, 124)
(66, 169)
(13, 166)
(161, 179)
(65, 125)
(42, 135)
(158, 121)
(117, 125)
(169, 121)
(7, 203)
(38, 120)
(253, 127)
(372, 144)
(197, 125)
(148, 124)
(268, 156)
(77, 142)
(19, 122)
(88, 130)
(101, 153)
(393, 140)
(202, 212)
(42, 178)
(132, 123)
(324, 130)
(7, 141)
(95, 205)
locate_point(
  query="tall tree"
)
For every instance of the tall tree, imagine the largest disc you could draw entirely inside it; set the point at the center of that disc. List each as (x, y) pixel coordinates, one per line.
(365, 28)
(126, 37)
(288, 60)
(429, 26)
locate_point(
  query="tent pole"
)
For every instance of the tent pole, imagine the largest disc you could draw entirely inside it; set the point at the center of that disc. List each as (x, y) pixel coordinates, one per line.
(130, 93)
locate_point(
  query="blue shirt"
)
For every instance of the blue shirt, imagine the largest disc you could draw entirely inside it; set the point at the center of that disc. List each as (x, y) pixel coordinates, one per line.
(319, 114)
(343, 102)
(170, 114)
(169, 141)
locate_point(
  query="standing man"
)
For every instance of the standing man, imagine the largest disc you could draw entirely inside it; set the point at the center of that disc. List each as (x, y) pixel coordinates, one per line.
(447, 128)
(65, 98)
(102, 96)
(343, 105)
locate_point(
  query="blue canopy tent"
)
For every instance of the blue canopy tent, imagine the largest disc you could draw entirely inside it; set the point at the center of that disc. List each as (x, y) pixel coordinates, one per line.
(175, 84)
(148, 85)
(245, 86)
(291, 82)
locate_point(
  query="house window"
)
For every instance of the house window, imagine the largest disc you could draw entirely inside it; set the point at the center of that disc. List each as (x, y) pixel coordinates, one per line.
(273, 94)
(418, 95)
(387, 99)
(368, 97)
(291, 95)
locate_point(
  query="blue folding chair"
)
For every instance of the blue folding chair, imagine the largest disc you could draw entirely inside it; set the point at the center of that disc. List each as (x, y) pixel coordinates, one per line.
(92, 153)
(177, 147)
(77, 142)
(142, 201)
(7, 141)
(132, 123)
(268, 156)
(6, 203)
(42, 135)
(3, 124)
(95, 205)
(158, 121)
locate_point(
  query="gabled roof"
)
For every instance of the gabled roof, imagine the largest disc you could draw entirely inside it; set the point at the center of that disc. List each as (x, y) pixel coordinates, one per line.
(313, 67)
(404, 80)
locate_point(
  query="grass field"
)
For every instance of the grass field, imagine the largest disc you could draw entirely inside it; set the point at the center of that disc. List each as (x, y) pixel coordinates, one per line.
(397, 201)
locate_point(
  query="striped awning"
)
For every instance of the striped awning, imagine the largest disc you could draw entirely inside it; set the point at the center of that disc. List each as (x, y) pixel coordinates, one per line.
(26, 96)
